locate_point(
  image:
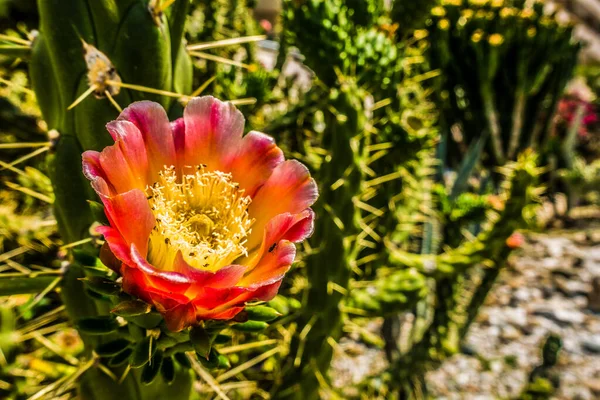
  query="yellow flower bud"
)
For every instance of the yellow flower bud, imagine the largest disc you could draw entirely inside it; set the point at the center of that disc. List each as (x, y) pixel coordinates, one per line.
(438, 11)
(496, 39)
(508, 12)
(477, 36)
(444, 24)
(421, 34)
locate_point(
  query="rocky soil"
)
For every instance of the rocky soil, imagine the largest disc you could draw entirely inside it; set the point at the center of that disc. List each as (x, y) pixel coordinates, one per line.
(551, 286)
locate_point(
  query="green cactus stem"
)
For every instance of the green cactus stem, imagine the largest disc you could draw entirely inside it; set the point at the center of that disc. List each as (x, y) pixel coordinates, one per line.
(98, 48)
(524, 59)
(345, 139)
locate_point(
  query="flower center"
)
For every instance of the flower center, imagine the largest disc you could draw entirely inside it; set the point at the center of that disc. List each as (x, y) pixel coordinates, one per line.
(204, 215)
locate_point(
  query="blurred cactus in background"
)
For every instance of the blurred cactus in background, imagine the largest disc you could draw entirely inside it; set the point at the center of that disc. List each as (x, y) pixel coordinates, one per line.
(543, 382)
(418, 242)
(504, 65)
(410, 15)
(232, 71)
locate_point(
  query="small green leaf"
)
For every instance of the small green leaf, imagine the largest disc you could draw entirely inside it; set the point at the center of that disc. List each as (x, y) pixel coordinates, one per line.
(223, 362)
(182, 336)
(212, 361)
(201, 341)
(112, 348)
(262, 313)
(131, 308)
(168, 370)
(143, 352)
(250, 326)
(147, 321)
(84, 258)
(294, 304)
(120, 358)
(215, 326)
(152, 368)
(97, 325)
(182, 359)
(165, 342)
(222, 339)
(102, 285)
(280, 304)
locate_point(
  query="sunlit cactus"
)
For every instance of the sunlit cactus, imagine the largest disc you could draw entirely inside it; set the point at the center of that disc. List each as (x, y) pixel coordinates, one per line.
(342, 180)
(518, 59)
(410, 224)
(411, 245)
(82, 77)
(87, 63)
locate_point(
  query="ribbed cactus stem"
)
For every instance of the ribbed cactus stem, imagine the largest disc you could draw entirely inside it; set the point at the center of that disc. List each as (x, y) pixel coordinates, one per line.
(493, 123)
(338, 221)
(92, 47)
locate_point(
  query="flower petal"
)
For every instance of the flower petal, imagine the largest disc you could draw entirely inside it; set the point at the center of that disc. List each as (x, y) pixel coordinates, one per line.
(114, 164)
(220, 314)
(131, 142)
(117, 245)
(213, 130)
(226, 303)
(180, 317)
(178, 128)
(152, 121)
(126, 207)
(289, 189)
(219, 298)
(217, 303)
(286, 226)
(108, 258)
(92, 169)
(165, 280)
(224, 277)
(255, 161)
(272, 266)
(135, 283)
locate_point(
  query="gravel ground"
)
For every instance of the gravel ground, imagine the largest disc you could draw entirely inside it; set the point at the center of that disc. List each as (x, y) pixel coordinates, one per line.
(548, 288)
(551, 286)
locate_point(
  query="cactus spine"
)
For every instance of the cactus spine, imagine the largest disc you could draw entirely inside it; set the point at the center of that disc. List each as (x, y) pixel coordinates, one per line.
(80, 47)
(410, 253)
(341, 181)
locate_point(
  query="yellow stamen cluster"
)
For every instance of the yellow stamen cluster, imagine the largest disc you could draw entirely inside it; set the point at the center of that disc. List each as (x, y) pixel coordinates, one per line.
(203, 214)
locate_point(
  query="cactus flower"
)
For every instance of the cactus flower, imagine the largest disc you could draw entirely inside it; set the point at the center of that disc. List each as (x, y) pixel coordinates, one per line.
(515, 241)
(202, 218)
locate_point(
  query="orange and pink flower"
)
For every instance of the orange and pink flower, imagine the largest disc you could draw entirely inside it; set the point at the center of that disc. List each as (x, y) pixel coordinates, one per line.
(202, 218)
